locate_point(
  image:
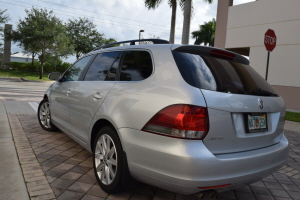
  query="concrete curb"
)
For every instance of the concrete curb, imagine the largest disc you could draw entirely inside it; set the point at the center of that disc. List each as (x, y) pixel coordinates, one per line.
(292, 110)
(36, 182)
(23, 79)
(292, 126)
(8, 77)
(12, 184)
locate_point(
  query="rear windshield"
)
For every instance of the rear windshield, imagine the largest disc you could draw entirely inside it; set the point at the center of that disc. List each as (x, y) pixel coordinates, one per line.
(220, 75)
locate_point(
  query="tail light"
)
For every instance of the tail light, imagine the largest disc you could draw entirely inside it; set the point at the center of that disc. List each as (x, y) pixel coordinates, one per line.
(180, 121)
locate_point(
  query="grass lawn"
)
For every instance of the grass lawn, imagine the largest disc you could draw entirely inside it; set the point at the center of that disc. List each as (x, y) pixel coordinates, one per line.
(292, 116)
(34, 76)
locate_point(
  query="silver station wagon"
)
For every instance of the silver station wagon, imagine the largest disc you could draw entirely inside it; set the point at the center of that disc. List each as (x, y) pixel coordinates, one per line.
(184, 118)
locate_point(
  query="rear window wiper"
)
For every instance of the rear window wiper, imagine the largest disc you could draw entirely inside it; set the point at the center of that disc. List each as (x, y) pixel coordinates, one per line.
(234, 91)
(225, 90)
(259, 91)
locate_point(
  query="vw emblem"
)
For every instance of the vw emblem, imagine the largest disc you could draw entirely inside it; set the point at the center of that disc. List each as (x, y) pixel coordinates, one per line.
(260, 104)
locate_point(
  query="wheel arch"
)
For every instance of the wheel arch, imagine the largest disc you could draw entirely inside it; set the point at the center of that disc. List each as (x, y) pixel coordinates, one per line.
(97, 126)
(128, 183)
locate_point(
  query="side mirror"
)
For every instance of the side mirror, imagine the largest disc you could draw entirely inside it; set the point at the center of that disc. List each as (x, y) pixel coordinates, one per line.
(54, 76)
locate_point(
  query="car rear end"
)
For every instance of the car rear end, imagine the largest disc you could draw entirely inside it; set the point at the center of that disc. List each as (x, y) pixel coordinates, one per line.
(237, 138)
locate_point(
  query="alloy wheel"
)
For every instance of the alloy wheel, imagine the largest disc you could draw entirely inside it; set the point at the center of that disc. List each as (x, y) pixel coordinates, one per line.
(44, 114)
(106, 159)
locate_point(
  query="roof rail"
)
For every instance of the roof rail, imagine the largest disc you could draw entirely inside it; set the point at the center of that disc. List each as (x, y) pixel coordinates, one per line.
(132, 42)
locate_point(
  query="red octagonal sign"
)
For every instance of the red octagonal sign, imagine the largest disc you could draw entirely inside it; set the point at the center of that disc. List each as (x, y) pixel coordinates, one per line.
(270, 40)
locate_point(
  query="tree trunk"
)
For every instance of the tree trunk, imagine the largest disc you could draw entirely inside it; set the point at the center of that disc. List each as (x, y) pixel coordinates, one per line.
(77, 56)
(42, 69)
(186, 22)
(55, 63)
(173, 21)
(41, 58)
(32, 59)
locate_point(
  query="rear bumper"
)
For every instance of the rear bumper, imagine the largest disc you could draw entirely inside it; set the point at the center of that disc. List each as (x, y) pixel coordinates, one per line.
(184, 165)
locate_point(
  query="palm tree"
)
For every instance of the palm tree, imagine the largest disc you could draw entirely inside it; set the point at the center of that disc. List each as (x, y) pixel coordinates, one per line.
(152, 4)
(206, 33)
(173, 4)
(187, 20)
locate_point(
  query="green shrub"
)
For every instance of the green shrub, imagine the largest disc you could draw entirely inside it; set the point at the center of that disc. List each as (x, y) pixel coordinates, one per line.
(24, 66)
(16, 65)
(48, 66)
(32, 68)
(63, 67)
(58, 68)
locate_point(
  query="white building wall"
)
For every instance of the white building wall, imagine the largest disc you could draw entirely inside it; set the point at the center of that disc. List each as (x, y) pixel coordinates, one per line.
(247, 24)
(16, 59)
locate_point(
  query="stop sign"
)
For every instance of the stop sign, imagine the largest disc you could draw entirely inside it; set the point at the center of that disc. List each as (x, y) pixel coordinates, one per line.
(270, 40)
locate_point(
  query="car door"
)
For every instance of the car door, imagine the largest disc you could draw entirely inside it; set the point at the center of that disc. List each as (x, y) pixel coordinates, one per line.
(89, 94)
(61, 92)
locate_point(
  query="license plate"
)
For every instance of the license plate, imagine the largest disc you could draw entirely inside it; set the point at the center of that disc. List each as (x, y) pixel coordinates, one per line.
(256, 122)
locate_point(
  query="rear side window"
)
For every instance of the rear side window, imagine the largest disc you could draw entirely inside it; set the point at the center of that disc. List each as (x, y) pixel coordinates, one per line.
(136, 66)
(100, 69)
(220, 75)
(112, 73)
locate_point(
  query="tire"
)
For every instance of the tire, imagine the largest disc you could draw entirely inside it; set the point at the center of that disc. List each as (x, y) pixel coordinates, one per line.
(108, 160)
(45, 117)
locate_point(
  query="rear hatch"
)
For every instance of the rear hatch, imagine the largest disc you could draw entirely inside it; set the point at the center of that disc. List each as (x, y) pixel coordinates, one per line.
(245, 112)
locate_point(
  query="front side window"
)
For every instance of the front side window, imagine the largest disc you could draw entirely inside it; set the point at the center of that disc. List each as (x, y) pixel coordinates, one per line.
(136, 66)
(74, 72)
(103, 67)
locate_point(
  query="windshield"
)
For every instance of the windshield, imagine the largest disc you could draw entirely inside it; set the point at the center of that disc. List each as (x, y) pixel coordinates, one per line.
(221, 75)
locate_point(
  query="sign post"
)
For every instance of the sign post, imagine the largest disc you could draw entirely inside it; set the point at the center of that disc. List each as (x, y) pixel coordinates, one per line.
(270, 44)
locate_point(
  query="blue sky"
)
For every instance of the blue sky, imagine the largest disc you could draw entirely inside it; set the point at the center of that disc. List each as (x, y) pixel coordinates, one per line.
(118, 19)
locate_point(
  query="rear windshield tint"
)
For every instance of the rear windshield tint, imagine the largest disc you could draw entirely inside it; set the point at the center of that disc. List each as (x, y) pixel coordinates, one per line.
(220, 75)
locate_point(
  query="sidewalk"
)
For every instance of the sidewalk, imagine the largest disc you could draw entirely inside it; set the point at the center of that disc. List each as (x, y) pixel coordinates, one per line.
(12, 185)
(292, 126)
(22, 79)
(56, 167)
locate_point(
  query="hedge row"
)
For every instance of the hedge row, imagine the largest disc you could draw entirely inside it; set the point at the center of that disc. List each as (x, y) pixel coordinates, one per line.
(22, 66)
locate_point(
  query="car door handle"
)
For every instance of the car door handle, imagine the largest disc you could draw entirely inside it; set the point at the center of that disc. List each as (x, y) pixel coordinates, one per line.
(97, 96)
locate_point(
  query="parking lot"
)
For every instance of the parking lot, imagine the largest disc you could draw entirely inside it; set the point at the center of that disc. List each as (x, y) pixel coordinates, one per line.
(56, 167)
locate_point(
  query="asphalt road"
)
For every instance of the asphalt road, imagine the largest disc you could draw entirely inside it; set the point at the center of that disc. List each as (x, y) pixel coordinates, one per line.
(14, 89)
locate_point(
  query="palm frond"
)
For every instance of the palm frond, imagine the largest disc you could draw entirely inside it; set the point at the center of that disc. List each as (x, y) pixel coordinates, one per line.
(170, 2)
(206, 33)
(152, 4)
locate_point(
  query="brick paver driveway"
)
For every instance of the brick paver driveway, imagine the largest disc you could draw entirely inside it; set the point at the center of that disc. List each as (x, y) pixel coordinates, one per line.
(56, 167)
